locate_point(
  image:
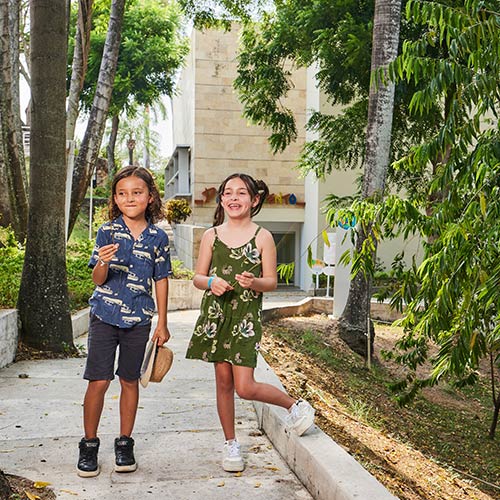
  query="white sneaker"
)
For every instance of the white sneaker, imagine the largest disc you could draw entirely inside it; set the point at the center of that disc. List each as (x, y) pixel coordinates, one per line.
(232, 461)
(300, 417)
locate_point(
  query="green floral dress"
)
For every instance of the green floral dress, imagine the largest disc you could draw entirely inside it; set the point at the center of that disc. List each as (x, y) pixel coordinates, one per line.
(229, 327)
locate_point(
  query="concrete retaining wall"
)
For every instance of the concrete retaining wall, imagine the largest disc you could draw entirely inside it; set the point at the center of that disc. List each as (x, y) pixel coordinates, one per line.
(8, 336)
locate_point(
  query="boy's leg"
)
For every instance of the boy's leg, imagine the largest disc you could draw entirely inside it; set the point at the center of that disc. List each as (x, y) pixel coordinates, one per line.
(92, 406)
(132, 346)
(129, 400)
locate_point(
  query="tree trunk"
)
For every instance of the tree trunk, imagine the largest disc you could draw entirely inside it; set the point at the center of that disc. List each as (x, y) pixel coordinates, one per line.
(5, 217)
(13, 156)
(79, 66)
(89, 149)
(43, 297)
(353, 324)
(115, 123)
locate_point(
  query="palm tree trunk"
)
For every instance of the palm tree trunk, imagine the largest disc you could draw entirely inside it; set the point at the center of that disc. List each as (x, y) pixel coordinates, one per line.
(89, 149)
(115, 123)
(353, 323)
(13, 156)
(43, 302)
(79, 66)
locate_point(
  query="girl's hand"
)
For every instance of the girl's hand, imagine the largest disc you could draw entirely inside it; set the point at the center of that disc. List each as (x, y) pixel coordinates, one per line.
(245, 279)
(220, 286)
(107, 252)
(162, 334)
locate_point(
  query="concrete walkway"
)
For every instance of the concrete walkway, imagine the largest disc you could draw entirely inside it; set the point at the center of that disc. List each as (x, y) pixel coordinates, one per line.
(177, 433)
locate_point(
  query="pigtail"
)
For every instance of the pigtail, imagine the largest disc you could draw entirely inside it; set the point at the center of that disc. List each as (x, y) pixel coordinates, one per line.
(263, 192)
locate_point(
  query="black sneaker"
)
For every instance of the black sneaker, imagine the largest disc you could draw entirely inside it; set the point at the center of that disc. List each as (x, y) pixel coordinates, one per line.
(124, 455)
(87, 461)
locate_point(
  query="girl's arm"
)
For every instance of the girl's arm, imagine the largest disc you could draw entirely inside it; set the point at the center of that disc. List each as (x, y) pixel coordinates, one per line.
(200, 280)
(161, 331)
(269, 279)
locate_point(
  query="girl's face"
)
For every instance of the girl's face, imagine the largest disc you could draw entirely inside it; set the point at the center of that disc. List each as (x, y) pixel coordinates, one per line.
(132, 197)
(236, 199)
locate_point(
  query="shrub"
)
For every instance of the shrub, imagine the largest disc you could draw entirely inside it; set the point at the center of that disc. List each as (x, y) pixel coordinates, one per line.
(177, 210)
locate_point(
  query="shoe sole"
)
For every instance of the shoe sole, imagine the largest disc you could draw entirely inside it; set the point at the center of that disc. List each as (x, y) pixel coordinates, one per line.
(236, 467)
(84, 473)
(126, 468)
(303, 425)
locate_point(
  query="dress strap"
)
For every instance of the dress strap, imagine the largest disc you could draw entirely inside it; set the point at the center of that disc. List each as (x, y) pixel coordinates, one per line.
(257, 232)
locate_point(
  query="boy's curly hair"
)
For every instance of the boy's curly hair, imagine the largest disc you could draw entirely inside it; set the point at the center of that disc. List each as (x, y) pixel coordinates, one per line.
(154, 212)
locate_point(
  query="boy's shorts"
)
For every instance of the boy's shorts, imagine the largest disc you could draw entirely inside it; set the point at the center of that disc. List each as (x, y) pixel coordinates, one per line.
(102, 343)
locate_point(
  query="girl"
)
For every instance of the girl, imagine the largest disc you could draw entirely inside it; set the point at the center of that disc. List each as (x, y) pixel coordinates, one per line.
(130, 252)
(236, 263)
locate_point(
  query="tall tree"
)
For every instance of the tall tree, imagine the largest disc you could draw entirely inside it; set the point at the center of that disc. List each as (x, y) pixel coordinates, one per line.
(79, 64)
(451, 300)
(353, 323)
(89, 148)
(153, 47)
(43, 302)
(14, 172)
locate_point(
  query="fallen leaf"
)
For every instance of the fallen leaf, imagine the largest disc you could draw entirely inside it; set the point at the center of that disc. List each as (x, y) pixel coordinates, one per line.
(222, 483)
(272, 468)
(69, 491)
(114, 397)
(41, 484)
(238, 474)
(31, 496)
(257, 485)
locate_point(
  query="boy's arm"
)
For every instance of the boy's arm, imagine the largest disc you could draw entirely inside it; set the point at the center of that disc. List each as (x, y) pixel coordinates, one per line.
(161, 332)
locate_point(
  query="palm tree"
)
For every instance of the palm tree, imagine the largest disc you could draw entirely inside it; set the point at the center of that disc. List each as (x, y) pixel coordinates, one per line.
(354, 321)
(91, 143)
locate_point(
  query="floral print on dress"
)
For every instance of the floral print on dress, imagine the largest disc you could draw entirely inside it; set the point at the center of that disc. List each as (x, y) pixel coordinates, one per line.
(227, 269)
(248, 295)
(244, 328)
(215, 311)
(229, 327)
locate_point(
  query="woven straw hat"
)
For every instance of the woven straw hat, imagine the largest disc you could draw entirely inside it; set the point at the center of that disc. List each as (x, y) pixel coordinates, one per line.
(156, 363)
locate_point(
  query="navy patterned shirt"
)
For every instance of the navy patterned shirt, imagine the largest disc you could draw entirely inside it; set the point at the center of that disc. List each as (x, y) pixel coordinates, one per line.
(126, 298)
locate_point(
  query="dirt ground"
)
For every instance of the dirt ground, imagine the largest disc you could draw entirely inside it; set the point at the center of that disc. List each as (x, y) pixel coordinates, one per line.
(408, 473)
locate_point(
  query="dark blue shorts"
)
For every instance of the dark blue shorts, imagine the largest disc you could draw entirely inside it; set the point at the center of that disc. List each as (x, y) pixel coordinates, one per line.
(102, 343)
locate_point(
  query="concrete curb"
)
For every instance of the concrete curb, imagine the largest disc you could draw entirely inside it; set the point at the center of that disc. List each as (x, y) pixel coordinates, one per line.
(323, 467)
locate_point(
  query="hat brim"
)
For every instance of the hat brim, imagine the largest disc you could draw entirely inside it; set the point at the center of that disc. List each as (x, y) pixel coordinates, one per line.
(156, 363)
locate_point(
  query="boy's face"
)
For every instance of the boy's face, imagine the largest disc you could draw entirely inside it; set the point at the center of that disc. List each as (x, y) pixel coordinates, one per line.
(132, 197)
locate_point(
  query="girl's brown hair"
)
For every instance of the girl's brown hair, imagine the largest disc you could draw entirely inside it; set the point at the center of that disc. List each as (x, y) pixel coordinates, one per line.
(255, 188)
(154, 212)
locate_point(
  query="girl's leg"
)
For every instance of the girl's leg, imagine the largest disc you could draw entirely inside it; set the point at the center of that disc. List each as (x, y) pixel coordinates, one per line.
(248, 388)
(225, 398)
(92, 406)
(129, 400)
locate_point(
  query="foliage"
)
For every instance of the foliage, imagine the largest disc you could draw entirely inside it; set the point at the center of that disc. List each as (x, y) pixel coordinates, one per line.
(179, 271)
(152, 49)
(177, 210)
(11, 268)
(286, 271)
(451, 298)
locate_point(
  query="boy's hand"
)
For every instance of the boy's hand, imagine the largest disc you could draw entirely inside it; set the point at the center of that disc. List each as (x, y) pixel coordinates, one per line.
(107, 252)
(245, 279)
(220, 286)
(162, 334)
